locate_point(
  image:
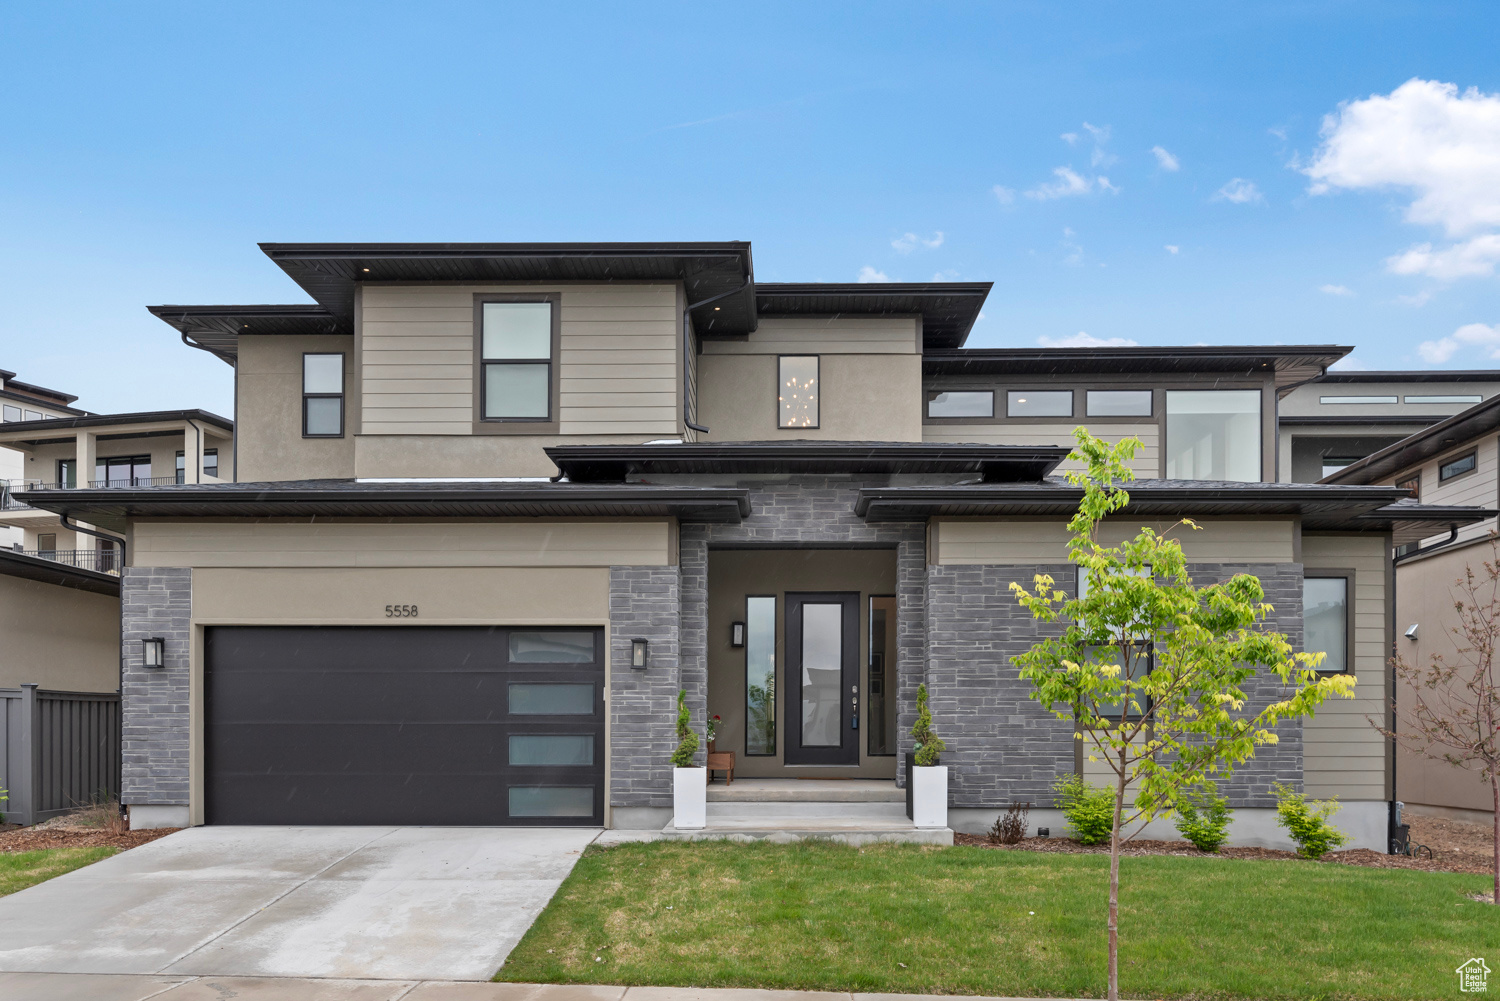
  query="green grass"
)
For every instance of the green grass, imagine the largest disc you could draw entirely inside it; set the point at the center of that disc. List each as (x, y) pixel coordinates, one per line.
(23, 869)
(819, 916)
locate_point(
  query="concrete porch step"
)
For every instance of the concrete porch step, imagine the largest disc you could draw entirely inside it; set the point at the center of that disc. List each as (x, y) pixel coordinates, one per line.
(806, 791)
(789, 829)
(802, 812)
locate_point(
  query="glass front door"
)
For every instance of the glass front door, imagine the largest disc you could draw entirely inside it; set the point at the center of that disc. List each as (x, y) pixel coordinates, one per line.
(822, 707)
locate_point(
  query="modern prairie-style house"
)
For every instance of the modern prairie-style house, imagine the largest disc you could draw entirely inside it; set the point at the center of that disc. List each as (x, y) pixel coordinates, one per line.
(1454, 462)
(23, 401)
(497, 504)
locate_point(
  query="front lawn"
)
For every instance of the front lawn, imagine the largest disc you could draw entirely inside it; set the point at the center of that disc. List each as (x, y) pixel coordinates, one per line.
(18, 870)
(914, 919)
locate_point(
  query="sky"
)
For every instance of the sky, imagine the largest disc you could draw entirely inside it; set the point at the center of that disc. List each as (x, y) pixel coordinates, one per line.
(1159, 174)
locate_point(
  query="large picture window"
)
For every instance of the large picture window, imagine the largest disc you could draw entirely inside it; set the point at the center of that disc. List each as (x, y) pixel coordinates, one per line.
(515, 348)
(1325, 619)
(760, 675)
(323, 395)
(1213, 435)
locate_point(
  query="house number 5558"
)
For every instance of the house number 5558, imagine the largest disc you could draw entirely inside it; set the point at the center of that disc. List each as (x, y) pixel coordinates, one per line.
(401, 611)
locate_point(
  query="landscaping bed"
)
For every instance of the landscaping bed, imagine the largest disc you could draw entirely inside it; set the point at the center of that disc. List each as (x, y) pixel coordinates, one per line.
(92, 827)
(925, 919)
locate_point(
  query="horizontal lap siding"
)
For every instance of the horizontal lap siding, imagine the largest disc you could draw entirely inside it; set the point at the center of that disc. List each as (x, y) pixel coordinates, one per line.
(1480, 488)
(824, 335)
(412, 544)
(617, 366)
(1345, 756)
(1016, 540)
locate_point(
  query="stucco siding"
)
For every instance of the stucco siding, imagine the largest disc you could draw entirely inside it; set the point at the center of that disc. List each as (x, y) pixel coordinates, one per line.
(58, 637)
(976, 541)
(269, 411)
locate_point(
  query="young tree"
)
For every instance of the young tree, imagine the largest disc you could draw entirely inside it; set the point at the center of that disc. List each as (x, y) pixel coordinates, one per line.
(1454, 714)
(1151, 668)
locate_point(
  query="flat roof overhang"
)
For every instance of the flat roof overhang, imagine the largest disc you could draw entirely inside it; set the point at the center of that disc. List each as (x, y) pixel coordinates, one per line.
(113, 507)
(1418, 375)
(216, 329)
(1480, 419)
(1290, 364)
(1319, 508)
(36, 432)
(14, 564)
(947, 309)
(992, 463)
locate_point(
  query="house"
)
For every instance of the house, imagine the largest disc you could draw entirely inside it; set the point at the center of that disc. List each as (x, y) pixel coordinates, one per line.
(1341, 417)
(22, 401)
(498, 503)
(1454, 462)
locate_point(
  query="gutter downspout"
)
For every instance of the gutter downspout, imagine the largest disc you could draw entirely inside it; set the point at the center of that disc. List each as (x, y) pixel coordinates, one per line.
(98, 535)
(687, 345)
(1452, 537)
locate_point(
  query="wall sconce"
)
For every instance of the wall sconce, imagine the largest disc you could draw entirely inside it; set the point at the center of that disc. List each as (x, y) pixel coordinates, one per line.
(638, 654)
(737, 634)
(154, 652)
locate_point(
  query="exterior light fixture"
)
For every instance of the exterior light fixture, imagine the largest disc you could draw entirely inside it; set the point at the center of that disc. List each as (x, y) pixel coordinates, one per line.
(154, 652)
(638, 654)
(737, 635)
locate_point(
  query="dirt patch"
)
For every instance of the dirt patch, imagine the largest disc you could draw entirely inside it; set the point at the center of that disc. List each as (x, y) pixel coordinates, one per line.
(1444, 860)
(30, 839)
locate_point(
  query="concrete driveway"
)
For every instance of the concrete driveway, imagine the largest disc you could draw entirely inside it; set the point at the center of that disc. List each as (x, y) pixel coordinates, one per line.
(396, 903)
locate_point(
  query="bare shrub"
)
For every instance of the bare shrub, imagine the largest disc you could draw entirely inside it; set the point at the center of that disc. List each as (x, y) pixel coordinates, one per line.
(1010, 827)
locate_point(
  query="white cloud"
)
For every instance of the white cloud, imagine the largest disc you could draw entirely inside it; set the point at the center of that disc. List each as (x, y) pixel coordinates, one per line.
(1416, 299)
(1085, 340)
(1239, 191)
(1172, 248)
(944, 276)
(1348, 363)
(1438, 145)
(1484, 336)
(1071, 138)
(1069, 183)
(1470, 259)
(1003, 194)
(1278, 132)
(908, 242)
(1099, 157)
(1336, 289)
(869, 274)
(1165, 160)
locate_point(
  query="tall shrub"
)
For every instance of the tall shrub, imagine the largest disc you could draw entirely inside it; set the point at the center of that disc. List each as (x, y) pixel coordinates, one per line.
(687, 740)
(1308, 822)
(929, 745)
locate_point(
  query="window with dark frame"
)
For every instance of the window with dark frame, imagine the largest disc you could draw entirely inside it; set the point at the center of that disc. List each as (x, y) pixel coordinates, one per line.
(797, 391)
(1413, 484)
(760, 675)
(515, 355)
(1039, 403)
(210, 464)
(1459, 466)
(323, 395)
(1325, 619)
(962, 403)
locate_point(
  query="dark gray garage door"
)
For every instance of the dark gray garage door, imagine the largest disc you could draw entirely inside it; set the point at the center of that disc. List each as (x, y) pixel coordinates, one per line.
(404, 725)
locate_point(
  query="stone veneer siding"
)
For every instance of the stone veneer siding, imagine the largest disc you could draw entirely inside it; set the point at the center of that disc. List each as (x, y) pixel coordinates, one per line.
(1003, 746)
(155, 601)
(644, 603)
(806, 512)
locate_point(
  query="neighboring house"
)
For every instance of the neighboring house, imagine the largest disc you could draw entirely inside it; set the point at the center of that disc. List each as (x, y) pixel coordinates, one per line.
(1453, 462)
(116, 451)
(60, 623)
(1342, 417)
(498, 504)
(21, 401)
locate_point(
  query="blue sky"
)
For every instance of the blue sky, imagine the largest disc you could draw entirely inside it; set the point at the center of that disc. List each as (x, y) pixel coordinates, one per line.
(146, 148)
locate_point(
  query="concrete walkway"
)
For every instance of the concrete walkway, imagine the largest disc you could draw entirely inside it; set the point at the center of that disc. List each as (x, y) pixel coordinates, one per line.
(380, 903)
(80, 987)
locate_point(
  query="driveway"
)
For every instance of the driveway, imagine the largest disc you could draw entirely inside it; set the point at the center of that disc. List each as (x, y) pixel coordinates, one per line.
(398, 903)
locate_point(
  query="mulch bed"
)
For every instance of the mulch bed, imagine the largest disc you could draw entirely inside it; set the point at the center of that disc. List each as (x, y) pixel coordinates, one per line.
(30, 839)
(1444, 860)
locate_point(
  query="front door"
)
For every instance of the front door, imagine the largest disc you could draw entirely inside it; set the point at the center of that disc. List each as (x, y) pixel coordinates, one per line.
(822, 674)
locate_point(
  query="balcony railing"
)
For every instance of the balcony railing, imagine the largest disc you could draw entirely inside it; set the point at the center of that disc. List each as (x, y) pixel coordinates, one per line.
(132, 481)
(98, 560)
(9, 487)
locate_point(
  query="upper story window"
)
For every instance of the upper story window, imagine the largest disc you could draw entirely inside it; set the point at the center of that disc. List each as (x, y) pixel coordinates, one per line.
(1444, 399)
(1360, 399)
(1333, 463)
(966, 403)
(210, 464)
(323, 395)
(1413, 484)
(1119, 402)
(1459, 466)
(516, 343)
(797, 391)
(1325, 618)
(1046, 403)
(1213, 434)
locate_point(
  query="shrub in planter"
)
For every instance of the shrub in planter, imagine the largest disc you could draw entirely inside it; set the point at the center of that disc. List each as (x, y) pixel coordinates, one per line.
(1307, 822)
(687, 740)
(1204, 819)
(929, 746)
(1090, 809)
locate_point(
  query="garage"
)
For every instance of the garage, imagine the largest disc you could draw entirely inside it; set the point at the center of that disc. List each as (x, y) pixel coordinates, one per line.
(413, 725)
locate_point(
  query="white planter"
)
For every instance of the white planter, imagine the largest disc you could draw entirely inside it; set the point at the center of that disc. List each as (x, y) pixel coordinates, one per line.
(690, 798)
(929, 796)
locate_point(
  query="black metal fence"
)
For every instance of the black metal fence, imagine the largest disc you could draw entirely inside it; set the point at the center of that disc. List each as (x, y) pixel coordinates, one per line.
(105, 559)
(58, 751)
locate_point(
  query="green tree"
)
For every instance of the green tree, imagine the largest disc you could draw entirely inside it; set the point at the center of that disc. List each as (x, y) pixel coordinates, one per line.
(929, 745)
(1151, 668)
(687, 740)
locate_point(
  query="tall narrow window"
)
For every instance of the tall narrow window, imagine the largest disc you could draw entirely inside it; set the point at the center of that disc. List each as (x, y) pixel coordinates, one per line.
(1213, 435)
(515, 347)
(760, 675)
(323, 396)
(67, 473)
(880, 691)
(1325, 620)
(797, 391)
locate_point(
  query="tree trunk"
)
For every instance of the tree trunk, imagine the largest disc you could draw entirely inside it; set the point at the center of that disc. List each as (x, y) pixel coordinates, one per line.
(1114, 884)
(1495, 861)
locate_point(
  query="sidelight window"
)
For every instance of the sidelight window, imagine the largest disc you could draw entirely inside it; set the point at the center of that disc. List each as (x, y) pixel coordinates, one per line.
(760, 675)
